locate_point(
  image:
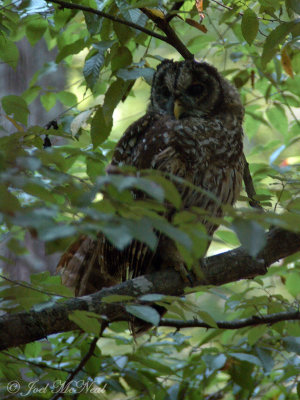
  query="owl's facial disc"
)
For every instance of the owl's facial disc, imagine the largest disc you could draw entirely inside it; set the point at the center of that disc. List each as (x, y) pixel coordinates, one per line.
(185, 88)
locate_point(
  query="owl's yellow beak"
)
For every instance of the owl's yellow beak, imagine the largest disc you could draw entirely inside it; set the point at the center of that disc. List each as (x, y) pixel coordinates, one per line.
(178, 109)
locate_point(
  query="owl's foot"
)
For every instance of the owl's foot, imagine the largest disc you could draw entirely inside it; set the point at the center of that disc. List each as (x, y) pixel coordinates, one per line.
(186, 275)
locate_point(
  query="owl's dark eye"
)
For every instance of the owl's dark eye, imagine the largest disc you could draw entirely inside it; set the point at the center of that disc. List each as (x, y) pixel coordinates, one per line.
(196, 89)
(165, 91)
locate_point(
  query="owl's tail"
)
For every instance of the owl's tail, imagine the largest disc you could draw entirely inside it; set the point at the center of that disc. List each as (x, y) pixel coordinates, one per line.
(82, 270)
(80, 267)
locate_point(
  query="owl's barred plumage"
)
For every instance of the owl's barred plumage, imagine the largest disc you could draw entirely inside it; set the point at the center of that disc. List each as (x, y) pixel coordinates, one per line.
(192, 129)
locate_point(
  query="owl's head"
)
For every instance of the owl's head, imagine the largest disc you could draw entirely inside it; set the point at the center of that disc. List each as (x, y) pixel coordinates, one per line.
(189, 88)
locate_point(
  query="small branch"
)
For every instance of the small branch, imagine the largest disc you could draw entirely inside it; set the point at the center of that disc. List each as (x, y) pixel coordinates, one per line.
(249, 186)
(241, 14)
(255, 320)
(27, 286)
(172, 38)
(176, 7)
(42, 365)
(73, 6)
(80, 366)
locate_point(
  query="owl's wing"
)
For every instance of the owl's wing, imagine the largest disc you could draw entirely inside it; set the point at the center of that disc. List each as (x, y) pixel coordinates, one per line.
(201, 151)
(89, 265)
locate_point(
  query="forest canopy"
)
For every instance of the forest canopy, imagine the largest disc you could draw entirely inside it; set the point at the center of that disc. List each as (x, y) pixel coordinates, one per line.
(228, 338)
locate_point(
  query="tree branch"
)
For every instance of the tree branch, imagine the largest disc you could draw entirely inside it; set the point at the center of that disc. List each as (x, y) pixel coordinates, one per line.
(162, 23)
(172, 38)
(237, 324)
(73, 6)
(25, 327)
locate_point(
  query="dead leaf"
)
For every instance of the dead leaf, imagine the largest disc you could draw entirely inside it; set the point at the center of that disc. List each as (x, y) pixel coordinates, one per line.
(286, 62)
(199, 6)
(196, 24)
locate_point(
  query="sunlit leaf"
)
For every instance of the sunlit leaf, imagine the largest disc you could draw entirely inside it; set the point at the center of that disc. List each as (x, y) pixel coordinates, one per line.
(86, 321)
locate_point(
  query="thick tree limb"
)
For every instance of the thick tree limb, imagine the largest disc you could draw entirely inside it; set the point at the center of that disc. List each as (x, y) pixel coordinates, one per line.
(25, 327)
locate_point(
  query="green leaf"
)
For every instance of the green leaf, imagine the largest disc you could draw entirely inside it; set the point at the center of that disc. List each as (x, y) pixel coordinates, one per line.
(47, 233)
(277, 116)
(275, 38)
(70, 49)
(294, 5)
(32, 350)
(95, 62)
(293, 282)
(135, 73)
(251, 235)
(16, 106)
(207, 318)
(247, 357)
(228, 237)
(48, 100)
(35, 28)
(142, 230)
(292, 344)
(86, 321)
(31, 94)
(100, 128)
(256, 333)
(118, 235)
(9, 52)
(266, 359)
(117, 298)
(123, 32)
(145, 313)
(152, 297)
(249, 25)
(67, 98)
(113, 96)
(176, 234)
(153, 364)
(122, 59)
(93, 22)
(170, 191)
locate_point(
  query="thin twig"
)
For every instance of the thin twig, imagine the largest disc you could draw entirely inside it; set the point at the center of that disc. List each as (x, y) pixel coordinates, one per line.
(80, 366)
(241, 14)
(27, 286)
(237, 324)
(34, 363)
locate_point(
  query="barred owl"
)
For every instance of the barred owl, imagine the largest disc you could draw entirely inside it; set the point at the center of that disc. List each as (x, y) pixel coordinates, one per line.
(192, 129)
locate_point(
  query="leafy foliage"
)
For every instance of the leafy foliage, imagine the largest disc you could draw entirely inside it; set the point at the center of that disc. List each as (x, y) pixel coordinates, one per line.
(61, 192)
